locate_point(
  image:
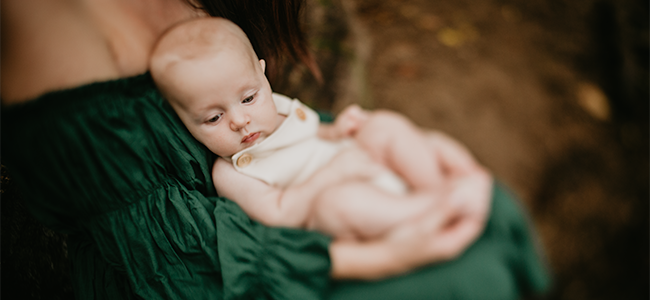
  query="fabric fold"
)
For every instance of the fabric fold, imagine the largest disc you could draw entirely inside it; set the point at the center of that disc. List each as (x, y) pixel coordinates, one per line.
(260, 262)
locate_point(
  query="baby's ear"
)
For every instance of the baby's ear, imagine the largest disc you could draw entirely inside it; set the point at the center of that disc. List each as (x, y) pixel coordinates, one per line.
(263, 65)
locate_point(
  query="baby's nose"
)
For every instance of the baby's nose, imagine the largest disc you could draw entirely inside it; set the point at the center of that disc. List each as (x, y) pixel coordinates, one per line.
(239, 121)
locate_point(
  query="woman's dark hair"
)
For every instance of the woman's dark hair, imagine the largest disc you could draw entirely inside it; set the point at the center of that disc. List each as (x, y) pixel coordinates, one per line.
(272, 26)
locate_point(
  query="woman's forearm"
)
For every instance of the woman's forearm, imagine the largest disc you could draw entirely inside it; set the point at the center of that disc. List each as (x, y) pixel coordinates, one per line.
(365, 261)
(425, 241)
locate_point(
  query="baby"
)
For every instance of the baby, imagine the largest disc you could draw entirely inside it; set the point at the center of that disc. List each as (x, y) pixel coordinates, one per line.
(276, 160)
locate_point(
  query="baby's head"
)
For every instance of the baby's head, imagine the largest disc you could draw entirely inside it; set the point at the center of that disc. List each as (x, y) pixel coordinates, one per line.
(209, 73)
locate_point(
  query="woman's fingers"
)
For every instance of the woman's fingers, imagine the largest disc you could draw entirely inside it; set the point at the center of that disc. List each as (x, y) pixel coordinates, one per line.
(469, 198)
(449, 227)
(413, 242)
(447, 237)
(451, 241)
(468, 185)
(471, 193)
(454, 157)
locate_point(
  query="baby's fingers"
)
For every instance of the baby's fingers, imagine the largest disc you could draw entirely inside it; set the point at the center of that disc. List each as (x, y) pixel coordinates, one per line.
(354, 111)
(351, 119)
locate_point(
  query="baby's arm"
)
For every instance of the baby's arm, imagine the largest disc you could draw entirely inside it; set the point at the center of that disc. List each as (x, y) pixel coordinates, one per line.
(289, 207)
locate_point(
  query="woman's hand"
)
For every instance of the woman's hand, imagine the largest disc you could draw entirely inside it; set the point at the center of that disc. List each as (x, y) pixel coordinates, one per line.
(468, 185)
(443, 234)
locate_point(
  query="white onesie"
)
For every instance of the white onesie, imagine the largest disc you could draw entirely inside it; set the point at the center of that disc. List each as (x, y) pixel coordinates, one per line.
(294, 151)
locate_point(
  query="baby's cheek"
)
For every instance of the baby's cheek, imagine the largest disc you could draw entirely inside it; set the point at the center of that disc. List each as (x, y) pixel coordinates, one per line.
(224, 144)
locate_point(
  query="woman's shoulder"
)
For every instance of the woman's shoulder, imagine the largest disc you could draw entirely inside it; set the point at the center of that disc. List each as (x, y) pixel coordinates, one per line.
(64, 49)
(73, 43)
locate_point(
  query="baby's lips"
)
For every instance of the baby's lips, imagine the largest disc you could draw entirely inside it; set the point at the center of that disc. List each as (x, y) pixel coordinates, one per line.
(250, 138)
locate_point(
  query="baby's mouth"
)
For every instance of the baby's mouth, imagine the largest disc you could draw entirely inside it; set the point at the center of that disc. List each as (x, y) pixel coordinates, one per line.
(250, 138)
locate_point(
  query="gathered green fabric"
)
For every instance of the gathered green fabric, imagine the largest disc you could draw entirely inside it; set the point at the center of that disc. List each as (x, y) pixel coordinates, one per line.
(111, 165)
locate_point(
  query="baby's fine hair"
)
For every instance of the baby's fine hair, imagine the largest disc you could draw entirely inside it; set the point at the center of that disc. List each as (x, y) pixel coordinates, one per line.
(193, 40)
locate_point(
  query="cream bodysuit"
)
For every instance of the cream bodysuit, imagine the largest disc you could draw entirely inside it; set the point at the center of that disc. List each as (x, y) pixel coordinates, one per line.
(294, 151)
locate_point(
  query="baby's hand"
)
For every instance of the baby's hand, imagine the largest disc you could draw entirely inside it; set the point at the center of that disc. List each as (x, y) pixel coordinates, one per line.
(349, 121)
(354, 164)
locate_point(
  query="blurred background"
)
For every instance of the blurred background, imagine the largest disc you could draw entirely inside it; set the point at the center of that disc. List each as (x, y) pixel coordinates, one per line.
(551, 96)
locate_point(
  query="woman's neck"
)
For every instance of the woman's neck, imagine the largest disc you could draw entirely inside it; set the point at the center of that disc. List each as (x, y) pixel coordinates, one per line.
(55, 45)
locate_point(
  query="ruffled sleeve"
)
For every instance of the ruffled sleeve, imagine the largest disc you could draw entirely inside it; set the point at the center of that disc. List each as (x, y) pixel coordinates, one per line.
(259, 262)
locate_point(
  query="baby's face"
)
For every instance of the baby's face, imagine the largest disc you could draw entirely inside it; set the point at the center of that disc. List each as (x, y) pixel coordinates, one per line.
(225, 102)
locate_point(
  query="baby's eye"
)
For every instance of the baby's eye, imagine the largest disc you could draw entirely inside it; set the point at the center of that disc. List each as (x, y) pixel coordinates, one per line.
(215, 118)
(248, 99)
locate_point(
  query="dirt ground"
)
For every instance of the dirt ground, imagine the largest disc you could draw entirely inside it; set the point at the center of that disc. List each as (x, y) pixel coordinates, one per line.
(552, 96)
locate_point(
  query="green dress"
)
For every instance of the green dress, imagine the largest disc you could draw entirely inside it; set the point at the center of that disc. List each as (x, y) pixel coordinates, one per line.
(111, 165)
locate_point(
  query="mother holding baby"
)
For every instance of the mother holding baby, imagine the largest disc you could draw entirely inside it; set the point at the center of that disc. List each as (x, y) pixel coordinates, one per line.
(101, 156)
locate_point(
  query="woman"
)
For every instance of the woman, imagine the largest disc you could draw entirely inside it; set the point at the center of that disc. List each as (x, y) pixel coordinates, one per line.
(102, 157)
